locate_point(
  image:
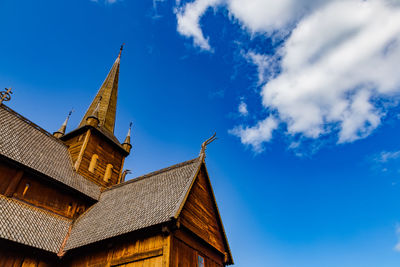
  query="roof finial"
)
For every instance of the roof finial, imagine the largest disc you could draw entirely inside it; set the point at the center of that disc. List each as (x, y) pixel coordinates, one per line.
(204, 145)
(5, 95)
(63, 127)
(120, 50)
(127, 143)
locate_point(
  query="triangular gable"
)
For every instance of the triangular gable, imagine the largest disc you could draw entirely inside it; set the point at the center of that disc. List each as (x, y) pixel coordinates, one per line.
(199, 213)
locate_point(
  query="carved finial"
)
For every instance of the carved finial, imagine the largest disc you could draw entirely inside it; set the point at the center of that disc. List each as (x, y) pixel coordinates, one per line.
(124, 174)
(5, 95)
(120, 50)
(204, 145)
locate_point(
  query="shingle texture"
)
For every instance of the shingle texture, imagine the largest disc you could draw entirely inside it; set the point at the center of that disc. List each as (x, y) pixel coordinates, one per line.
(139, 203)
(31, 226)
(24, 142)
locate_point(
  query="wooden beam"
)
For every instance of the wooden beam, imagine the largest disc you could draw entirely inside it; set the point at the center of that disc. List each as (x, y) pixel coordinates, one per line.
(14, 183)
(84, 145)
(138, 257)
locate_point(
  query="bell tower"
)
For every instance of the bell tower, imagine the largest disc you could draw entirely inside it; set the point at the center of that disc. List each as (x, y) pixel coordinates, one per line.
(95, 151)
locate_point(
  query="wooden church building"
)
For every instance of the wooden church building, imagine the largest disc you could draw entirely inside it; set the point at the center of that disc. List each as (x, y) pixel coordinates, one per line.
(64, 201)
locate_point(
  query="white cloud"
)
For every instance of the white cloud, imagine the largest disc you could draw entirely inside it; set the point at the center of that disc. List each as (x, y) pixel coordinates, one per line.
(267, 16)
(188, 18)
(334, 64)
(243, 109)
(257, 135)
(340, 60)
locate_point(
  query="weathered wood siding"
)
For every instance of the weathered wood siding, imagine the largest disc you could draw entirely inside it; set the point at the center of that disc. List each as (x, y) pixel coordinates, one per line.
(153, 251)
(40, 193)
(74, 146)
(199, 213)
(186, 248)
(6, 176)
(106, 152)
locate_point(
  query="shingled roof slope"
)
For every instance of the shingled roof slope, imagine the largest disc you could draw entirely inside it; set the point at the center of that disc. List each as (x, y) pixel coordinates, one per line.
(31, 226)
(139, 203)
(28, 144)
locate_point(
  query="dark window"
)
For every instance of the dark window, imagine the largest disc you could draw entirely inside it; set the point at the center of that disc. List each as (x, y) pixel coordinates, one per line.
(200, 261)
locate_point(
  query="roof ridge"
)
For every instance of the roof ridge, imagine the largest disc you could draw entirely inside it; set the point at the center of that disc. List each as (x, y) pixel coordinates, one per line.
(30, 123)
(139, 178)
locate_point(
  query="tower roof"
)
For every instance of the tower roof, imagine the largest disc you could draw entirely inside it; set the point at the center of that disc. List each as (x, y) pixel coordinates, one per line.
(106, 99)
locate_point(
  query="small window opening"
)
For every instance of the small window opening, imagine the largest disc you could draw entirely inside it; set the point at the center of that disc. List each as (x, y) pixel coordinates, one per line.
(107, 175)
(200, 261)
(93, 163)
(26, 189)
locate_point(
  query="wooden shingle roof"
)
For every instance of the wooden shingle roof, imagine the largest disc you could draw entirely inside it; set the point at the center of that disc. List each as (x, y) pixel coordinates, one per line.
(22, 223)
(139, 203)
(26, 143)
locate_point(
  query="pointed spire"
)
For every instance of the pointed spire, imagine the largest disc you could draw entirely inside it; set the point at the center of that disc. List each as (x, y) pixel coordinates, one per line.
(127, 143)
(63, 127)
(105, 101)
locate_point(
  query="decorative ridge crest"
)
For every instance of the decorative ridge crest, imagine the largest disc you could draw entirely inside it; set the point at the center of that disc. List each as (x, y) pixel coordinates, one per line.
(205, 143)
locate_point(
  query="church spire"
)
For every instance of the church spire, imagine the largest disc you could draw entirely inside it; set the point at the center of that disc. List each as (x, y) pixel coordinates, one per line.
(106, 99)
(63, 127)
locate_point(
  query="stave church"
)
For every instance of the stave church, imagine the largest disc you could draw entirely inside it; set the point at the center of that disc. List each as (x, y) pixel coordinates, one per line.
(64, 200)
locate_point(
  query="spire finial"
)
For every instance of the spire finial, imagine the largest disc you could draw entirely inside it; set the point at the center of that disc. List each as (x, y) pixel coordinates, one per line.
(204, 145)
(120, 50)
(127, 142)
(63, 127)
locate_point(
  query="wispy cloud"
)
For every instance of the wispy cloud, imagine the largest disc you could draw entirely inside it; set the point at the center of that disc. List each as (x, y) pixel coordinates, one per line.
(188, 17)
(330, 73)
(105, 1)
(156, 14)
(387, 162)
(243, 109)
(386, 156)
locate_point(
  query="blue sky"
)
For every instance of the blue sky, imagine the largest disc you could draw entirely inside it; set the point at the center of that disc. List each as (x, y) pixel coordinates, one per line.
(303, 96)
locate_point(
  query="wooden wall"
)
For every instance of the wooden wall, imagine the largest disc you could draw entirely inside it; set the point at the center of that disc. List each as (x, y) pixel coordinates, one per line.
(40, 193)
(200, 216)
(74, 145)
(151, 251)
(82, 152)
(186, 248)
